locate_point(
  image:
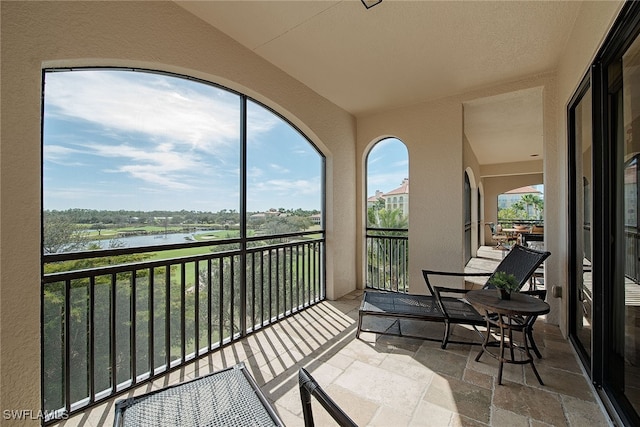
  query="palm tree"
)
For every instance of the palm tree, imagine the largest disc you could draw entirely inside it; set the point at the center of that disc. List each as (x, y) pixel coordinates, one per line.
(391, 218)
(387, 249)
(534, 201)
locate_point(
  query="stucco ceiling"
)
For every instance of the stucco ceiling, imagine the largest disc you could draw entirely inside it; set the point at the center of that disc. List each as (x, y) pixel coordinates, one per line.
(400, 53)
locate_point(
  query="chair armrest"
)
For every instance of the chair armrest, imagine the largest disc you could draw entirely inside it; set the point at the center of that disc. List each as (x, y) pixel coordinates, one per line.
(436, 294)
(426, 274)
(440, 289)
(457, 274)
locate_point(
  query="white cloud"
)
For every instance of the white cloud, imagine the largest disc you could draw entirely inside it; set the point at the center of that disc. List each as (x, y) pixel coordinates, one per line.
(279, 168)
(164, 156)
(164, 108)
(255, 172)
(384, 181)
(163, 135)
(290, 187)
(59, 154)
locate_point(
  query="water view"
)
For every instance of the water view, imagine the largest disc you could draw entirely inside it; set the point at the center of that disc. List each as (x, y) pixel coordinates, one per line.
(160, 239)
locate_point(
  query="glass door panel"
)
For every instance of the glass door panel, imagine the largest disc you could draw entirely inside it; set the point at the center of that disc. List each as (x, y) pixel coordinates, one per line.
(625, 292)
(582, 291)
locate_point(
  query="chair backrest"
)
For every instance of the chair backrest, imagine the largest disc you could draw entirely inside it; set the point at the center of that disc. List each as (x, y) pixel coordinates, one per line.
(309, 387)
(492, 227)
(522, 262)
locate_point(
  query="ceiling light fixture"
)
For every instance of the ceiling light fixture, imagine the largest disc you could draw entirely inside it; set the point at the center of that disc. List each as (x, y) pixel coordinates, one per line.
(370, 3)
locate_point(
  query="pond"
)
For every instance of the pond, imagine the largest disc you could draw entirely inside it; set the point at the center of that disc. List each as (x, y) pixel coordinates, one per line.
(154, 239)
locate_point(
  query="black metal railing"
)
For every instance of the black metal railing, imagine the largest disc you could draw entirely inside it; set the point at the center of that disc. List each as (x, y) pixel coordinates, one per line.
(387, 259)
(109, 328)
(632, 253)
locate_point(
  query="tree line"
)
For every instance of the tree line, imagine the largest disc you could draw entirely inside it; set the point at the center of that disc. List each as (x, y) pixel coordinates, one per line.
(135, 217)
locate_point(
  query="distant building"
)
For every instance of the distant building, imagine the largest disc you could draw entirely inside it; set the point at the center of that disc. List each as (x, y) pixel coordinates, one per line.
(397, 198)
(371, 201)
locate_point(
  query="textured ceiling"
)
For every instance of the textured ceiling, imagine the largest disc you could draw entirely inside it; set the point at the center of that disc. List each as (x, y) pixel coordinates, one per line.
(404, 52)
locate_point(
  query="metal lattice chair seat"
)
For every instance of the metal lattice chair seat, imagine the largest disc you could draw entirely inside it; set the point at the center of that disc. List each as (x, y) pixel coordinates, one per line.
(225, 398)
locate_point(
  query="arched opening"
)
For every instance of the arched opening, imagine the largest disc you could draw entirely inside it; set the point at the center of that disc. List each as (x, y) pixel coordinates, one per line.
(521, 206)
(520, 215)
(472, 215)
(178, 216)
(467, 218)
(387, 216)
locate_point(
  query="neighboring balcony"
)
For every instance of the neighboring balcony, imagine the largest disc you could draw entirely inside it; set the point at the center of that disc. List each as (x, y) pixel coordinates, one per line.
(285, 324)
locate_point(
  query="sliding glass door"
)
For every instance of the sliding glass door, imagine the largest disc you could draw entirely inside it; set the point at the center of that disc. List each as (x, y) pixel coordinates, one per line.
(622, 373)
(604, 194)
(581, 291)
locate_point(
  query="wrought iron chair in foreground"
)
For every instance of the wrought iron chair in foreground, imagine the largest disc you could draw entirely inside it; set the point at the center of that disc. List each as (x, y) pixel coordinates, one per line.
(309, 387)
(450, 310)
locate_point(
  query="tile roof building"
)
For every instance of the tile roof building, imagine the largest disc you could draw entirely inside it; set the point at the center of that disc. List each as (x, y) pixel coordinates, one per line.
(397, 198)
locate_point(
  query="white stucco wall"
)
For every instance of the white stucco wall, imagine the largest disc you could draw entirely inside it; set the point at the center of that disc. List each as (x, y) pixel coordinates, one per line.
(156, 35)
(432, 133)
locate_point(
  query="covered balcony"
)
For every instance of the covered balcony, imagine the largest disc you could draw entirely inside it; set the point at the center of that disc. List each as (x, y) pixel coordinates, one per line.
(391, 380)
(485, 96)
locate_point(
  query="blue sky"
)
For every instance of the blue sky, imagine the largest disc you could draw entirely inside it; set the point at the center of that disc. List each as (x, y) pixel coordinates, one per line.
(387, 166)
(142, 141)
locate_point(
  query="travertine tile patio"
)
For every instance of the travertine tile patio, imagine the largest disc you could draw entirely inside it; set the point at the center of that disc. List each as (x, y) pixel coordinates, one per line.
(395, 381)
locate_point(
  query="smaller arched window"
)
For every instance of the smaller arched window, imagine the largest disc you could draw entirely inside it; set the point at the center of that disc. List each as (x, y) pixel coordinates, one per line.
(387, 246)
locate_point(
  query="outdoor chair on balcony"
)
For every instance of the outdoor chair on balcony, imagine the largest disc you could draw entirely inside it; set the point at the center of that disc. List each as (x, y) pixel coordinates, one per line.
(498, 236)
(450, 310)
(309, 387)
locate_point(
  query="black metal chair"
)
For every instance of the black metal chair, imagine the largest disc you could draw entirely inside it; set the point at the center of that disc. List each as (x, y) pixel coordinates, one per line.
(498, 236)
(450, 310)
(309, 387)
(522, 262)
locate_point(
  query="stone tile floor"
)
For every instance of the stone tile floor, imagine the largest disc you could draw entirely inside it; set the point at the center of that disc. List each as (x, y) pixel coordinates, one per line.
(385, 380)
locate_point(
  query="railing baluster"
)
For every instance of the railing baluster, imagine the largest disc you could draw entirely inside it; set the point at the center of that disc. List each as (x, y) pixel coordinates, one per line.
(150, 325)
(285, 310)
(67, 345)
(232, 297)
(290, 249)
(183, 311)
(316, 267)
(209, 298)
(278, 283)
(221, 303)
(253, 291)
(167, 316)
(112, 334)
(270, 269)
(132, 329)
(308, 271)
(91, 358)
(261, 288)
(196, 308)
